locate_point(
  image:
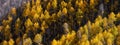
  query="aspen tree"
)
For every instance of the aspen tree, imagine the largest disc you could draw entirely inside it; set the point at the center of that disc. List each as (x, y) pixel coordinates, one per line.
(118, 16)
(47, 16)
(13, 11)
(54, 4)
(64, 11)
(112, 17)
(5, 42)
(27, 41)
(48, 6)
(11, 42)
(27, 10)
(63, 4)
(28, 24)
(38, 38)
(54, 42)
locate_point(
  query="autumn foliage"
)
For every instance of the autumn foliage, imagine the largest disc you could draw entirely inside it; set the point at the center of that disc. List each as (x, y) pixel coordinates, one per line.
(62, 22)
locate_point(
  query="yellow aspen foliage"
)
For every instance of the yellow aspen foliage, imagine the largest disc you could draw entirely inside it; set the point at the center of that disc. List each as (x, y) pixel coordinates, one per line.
(53, 16)
(97, 23)
(118, 40)
(99, 19)
(114, 31)
(112, 16)
(33, 11)
(73, 33)
(36, 25)
(33, 2)
(118, 29)
(24, 36)
(105, 24)
(84, 37)
(85, 43)
(39, 9)
(7, 28)
(38, 15)
(106, 1)
(81, 4)
(28, 5)
(63, 39)
(92, 3)
(4, 22)
(69, 5)
(9, 19)
(67, 42)
(118, 15)
(54, 4)
(64, 11)
(38, 2)
(79, 14)
(70, 36)
(18, 20)
(85, 29)
(63, 4)
(77, 3)
(100, 36)
(28, 23)
(43, 26)
(100, 43)
(6, 32)
(92, 25)
(104, 34)
(13, 11)
(94, 41)
(89, 25)
(27, 10)
(109, 35)
(81, 30)
(11, 42)
(5, 42)
(46, 14)
(79, 34)
(84, 40)
(27, 41)
(35, 17)
(54, 42)
(48, 6)
(59, 13)
(17, 23)
(72, 9)
(109, 42)
(38, 38)
(18, 40)
(41, 16)
(7, 22)
(97, 40)
(60, 42)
